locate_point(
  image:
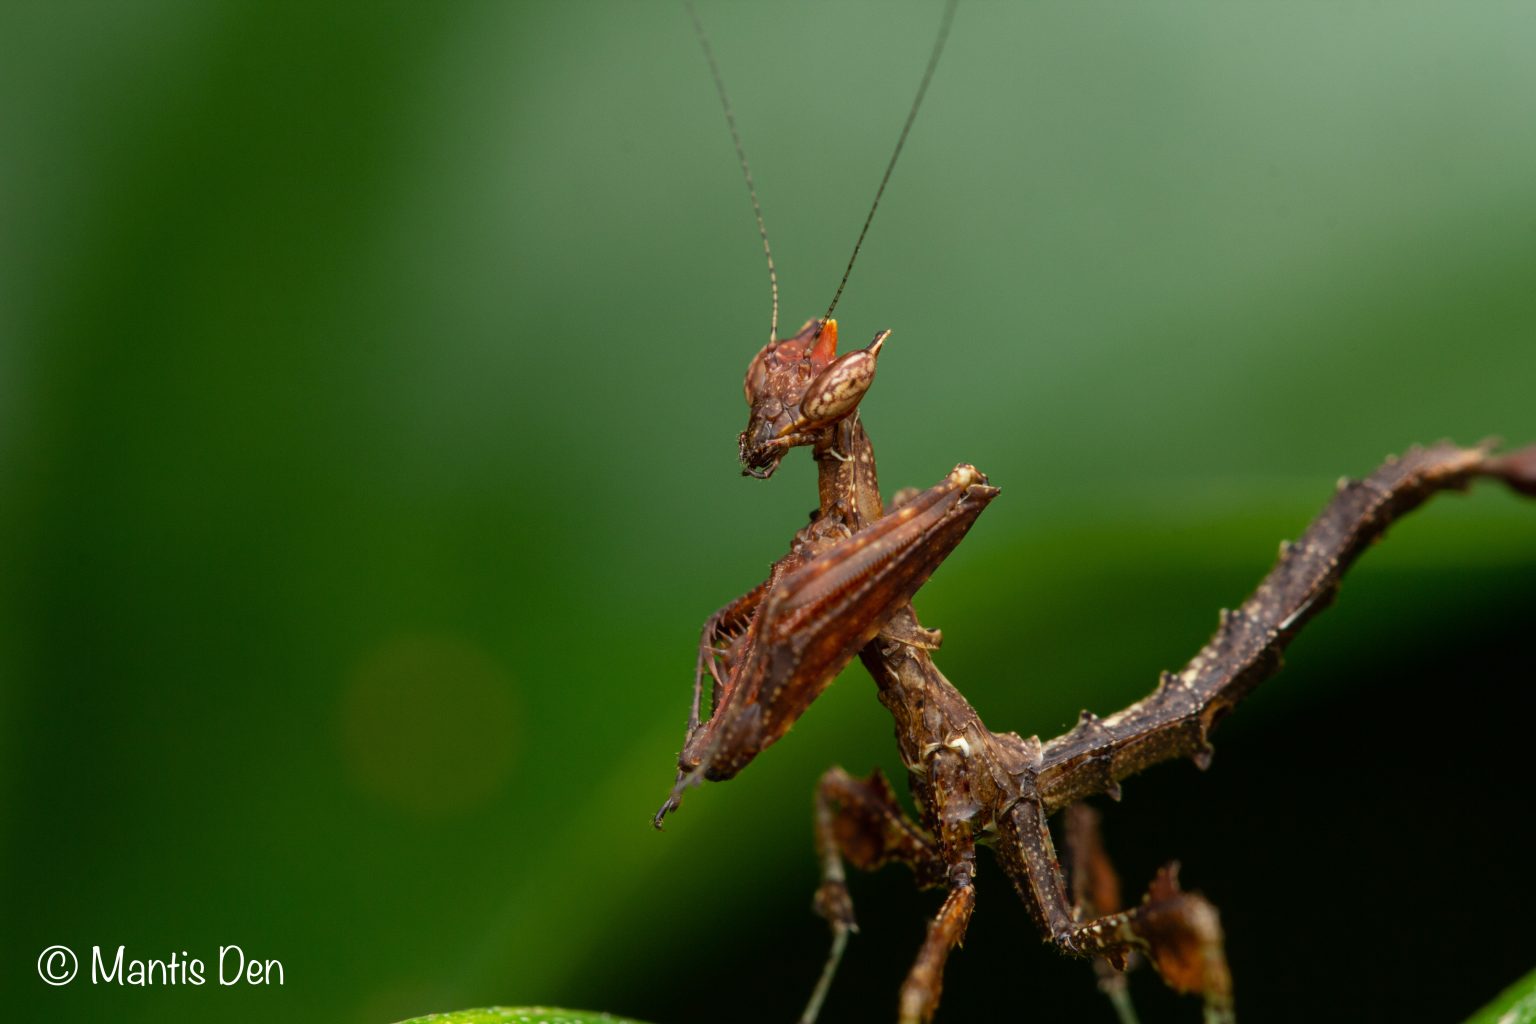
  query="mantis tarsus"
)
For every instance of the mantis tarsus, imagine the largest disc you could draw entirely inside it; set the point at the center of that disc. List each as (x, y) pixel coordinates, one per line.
(844, 589)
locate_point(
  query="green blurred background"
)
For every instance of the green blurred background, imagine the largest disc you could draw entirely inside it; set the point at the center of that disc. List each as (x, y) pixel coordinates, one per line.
(368, 396)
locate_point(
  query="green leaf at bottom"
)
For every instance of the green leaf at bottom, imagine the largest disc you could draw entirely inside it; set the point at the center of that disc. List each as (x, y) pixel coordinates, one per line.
(1515, 1005)
(519, 1015)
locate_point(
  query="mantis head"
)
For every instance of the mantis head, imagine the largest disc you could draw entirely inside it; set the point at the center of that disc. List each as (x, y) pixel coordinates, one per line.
(798, 389)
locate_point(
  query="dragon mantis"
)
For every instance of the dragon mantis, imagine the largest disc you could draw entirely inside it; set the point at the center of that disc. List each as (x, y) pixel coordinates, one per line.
(844, 589)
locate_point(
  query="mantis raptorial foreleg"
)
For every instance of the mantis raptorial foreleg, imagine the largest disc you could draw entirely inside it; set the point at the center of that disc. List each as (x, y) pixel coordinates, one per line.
(834, 591)
(720, 648)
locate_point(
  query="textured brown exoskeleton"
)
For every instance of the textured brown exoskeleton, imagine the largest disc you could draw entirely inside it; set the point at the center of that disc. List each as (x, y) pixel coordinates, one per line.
(844, 589)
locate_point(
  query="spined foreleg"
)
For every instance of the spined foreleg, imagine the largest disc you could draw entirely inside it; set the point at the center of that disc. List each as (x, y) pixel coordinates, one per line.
(831, 595)
(720, 646)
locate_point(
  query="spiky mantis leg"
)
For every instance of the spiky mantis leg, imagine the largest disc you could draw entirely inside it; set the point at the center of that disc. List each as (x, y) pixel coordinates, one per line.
(1095, 892)
(834, 592)
(860, 821)
(720, 644)
(957, 851)
(925, 981)
(1179, 932)
(1176, 720)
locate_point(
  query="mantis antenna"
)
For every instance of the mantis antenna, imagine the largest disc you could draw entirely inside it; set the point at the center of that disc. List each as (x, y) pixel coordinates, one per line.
(746, 171)
(901, 140)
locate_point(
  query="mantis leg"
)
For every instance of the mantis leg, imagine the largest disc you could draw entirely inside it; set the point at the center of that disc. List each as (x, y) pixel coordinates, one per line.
(860, 821)
(1096, 891)
(1179, 932)
(722, 643)
(952, 813)
(720, 648)
(926, 977)
(834, 592)
(1177, 718)
(920, 992)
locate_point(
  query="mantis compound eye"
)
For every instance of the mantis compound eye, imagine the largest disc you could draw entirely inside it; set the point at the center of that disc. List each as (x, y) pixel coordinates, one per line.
(757, 375)
(838, 389)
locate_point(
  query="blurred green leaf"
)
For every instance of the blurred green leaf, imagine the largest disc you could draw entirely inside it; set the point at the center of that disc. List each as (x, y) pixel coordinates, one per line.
(519, 1015)
(1515, 1005)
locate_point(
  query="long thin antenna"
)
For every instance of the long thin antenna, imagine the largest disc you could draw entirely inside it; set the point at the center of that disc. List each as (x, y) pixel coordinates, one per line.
(922, 89)
(741, 154)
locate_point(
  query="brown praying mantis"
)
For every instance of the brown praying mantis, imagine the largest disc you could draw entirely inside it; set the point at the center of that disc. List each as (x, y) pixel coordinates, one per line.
(844, 589)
